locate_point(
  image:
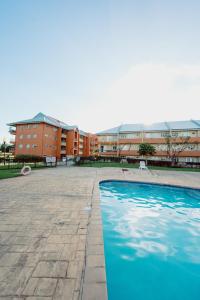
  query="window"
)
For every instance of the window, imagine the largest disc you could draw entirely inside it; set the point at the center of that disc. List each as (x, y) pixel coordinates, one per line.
(20, 146)
(28, 136)
(101, 148)
(153, 134)
(129, 135)
(108, 138)
(35, 125)
(27, 146)
(21, 136)
(34, 135)
(123, 136)
(165, 134)
(175, 134)
(184, 133)
(114, 148)
(194, 133)
(55, 129)
(46, 135)
(34, 146)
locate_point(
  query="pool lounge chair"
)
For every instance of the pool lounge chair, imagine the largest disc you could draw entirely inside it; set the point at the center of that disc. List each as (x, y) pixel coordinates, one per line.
(143, 165)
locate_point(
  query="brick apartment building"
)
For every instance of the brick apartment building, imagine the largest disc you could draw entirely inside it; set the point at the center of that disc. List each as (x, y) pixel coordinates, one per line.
(45, 136)
(124, 140)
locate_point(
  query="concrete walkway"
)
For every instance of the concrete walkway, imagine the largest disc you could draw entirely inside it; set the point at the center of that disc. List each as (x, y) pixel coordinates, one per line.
(51, 244)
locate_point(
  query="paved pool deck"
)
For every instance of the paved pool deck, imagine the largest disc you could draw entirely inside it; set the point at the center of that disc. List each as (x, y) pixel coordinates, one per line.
(51, 244)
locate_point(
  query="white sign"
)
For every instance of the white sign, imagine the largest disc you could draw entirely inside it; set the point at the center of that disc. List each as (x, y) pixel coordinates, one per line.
(51, 160)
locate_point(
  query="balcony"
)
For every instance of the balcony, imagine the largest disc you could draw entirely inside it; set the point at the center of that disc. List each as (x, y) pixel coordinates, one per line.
(63, 143)
(63, 136)
(63, 151)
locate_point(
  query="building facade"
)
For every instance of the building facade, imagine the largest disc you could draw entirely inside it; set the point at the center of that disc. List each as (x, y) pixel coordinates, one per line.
(94, 144)
(180, 138)
(45, 136)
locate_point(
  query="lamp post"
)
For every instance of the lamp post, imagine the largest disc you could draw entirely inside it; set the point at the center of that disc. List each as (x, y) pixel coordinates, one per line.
(4, 150)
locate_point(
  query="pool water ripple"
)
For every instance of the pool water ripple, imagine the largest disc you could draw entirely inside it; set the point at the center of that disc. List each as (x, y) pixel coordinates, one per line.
(151, 240)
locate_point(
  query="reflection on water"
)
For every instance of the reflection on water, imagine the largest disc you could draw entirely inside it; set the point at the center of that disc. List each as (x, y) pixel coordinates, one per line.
(156, 223)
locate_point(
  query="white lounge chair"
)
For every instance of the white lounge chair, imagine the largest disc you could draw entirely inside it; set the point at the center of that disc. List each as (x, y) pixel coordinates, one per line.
(143, 165)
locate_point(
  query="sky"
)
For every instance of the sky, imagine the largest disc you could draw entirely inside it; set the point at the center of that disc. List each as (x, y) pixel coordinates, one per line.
(99, 64)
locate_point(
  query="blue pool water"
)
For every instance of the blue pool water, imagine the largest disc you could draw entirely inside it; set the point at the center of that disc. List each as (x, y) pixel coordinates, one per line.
(152, 241)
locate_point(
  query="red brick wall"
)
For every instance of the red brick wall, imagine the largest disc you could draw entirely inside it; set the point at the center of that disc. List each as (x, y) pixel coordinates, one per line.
(46, 140)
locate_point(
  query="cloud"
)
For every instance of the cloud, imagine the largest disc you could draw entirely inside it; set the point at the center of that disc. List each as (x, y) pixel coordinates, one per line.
(148, 93)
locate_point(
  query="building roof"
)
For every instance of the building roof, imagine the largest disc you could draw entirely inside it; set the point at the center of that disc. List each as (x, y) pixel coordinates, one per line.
(114, 130)
(83, 133)
(42, 118)
(162, 126)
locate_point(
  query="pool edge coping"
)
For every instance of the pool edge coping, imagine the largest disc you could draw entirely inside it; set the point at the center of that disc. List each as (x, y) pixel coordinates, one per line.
(95, 263)
(94, 285)
(152, 182)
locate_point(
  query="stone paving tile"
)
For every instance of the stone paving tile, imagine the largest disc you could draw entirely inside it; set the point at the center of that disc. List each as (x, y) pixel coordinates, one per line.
(14, 281)
(94, 291)
(38, 298)
(65, 289)
(94, 260)
(10, 259)
(40, 287)
(51, 269)
(95, 249)
(73, 269)
(69, 252)
(95, 275)
(59, 239)
(12, 298)
(47, 231)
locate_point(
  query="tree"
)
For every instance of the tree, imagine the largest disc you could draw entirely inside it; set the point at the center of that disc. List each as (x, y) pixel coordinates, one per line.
(5, 147)
(146, 149)
(175, 146)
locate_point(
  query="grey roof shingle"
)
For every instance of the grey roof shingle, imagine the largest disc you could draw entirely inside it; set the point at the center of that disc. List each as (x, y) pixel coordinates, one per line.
(162, 126)
(185, 124)
(114, 130)
(42, 118)
(131, 127)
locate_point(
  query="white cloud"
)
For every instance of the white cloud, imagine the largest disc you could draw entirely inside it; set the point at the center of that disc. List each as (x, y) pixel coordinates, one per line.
(147, 93)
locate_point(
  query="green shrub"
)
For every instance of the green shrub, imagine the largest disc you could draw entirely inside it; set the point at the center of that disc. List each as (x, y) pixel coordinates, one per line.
(28, 158)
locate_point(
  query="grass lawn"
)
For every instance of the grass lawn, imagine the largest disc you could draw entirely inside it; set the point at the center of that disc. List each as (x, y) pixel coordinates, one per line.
(136, 166)
(20, 166)
(14, 170)
(9, 173)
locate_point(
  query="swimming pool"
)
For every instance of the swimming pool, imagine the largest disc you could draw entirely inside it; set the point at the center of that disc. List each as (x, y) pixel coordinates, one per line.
(151, 240)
